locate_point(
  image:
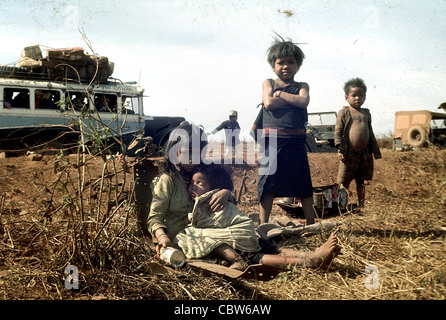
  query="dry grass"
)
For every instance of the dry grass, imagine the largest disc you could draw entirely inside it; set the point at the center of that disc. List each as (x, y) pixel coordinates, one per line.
(401, 232)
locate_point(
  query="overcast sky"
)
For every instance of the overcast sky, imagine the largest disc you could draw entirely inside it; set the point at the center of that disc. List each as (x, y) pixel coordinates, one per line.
(200, 59)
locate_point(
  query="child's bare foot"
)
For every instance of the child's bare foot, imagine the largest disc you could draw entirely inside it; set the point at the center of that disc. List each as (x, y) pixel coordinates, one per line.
(224, 263)
(239, 264)
(326, 252)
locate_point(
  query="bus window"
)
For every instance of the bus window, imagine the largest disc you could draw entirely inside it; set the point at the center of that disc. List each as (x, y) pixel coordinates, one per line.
(127, 105)
(106, 102)
(19, 97)
(135, 104)
(7, 98)
(46, 99)
(77, 101)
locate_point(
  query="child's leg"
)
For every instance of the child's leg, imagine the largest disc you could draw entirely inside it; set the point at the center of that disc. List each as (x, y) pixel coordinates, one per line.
(345, 177)
(266, 205)
(229, 254)
(360, 189)
(307, 207)
(345, 184)
(320, 258)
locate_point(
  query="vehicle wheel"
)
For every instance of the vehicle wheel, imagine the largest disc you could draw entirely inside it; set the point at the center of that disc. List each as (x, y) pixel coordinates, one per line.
(417, 137)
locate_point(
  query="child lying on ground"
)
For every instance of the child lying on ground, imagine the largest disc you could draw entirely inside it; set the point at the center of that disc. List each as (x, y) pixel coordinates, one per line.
(230, 234)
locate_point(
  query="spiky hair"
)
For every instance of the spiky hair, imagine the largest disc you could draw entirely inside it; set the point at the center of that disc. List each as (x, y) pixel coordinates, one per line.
(282, 48)
(354, 83)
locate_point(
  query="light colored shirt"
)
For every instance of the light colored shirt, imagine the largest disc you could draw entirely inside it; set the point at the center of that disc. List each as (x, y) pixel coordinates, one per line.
(170, 204)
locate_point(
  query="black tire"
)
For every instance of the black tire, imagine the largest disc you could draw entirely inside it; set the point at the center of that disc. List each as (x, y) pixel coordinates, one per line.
(417, 137)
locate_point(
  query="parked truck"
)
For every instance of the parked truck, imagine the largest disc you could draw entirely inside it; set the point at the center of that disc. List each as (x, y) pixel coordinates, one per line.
(320, 131)
(418, 129)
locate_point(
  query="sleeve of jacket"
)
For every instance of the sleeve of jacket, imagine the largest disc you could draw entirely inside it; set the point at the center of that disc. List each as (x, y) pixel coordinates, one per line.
(161, 190)
(374, 143)
(339, 128)
(221, 126)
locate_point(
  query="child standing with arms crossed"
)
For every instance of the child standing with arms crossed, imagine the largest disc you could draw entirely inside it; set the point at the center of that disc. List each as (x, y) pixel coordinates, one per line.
(355, 140)
(285, 114)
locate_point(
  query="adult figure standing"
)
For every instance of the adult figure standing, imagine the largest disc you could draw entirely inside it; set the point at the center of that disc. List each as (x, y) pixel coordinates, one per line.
(232, 132)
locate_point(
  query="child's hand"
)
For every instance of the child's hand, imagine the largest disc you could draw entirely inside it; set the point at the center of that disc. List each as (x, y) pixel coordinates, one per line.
(219, 200)
(340, 156)
(277, 93)
(163, 240)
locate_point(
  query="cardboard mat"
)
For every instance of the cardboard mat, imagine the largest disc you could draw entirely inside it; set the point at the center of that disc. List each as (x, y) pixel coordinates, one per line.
(253, 272)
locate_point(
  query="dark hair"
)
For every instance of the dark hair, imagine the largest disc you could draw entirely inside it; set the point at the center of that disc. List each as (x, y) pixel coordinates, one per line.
(216, 175)
(354, 83)
(282, 48)
(183, 137)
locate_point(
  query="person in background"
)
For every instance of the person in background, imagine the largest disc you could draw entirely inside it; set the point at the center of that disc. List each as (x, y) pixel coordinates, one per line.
(21, 100)
(38, 98)
(7, 99)
(232, 132)
(79, 102)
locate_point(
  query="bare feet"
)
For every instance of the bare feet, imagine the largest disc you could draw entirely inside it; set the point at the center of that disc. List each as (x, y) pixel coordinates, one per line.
(230, 257)
(224, 263)
(324, 255)
(239, 264)
(320, 258)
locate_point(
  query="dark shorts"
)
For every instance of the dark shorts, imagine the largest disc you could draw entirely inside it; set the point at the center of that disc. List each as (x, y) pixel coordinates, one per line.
(357, 166)
(266, 247)
(287, 173)
(252, 257)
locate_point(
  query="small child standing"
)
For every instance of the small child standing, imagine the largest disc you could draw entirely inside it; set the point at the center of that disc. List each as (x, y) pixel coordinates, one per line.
(284, 116)
(355, 140)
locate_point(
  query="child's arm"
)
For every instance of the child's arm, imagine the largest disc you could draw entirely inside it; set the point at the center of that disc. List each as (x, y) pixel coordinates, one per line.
(161, 191)
(277, 99)
(219, 200)
(269, 101)
(220, 126)
(375, 147)
(300, 100)
(339, 132)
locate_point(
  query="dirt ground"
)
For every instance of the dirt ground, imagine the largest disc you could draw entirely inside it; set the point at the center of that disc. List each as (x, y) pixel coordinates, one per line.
(400, 234)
